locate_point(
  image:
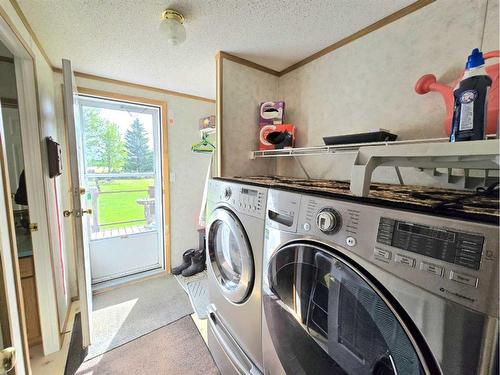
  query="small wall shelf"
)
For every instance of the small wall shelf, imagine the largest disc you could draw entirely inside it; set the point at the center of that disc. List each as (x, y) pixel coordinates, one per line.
(426, 154)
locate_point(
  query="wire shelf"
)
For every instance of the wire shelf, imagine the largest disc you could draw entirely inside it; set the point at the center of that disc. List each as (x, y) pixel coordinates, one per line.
(425, 153)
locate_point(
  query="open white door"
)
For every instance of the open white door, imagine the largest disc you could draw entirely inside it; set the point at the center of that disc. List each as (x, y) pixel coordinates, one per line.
(73, 126)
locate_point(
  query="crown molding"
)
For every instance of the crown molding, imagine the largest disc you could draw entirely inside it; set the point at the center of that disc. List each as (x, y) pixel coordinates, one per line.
(224, 55)
(359, 34)
(341, 43)
(242, 61)
(135, 85)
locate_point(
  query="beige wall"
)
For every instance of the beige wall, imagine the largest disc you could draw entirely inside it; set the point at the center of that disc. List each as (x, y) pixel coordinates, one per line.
(243, 90)
(188, 170)
(369, 83)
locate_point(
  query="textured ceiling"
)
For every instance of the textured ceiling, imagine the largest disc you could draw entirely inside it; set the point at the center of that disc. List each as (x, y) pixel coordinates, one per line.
(121, 39)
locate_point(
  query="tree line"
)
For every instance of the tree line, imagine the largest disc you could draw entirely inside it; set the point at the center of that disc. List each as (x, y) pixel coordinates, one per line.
(105, 148)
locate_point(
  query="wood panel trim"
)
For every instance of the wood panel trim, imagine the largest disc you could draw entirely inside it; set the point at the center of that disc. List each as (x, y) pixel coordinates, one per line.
(164, 151)
(26, 24)
(166, 185)
(367, 30)
(135, 85)
(242, 61)
(219, 112)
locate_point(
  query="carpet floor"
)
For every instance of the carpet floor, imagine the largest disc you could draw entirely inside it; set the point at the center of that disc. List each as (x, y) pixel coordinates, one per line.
(123, 314)
(176, 348)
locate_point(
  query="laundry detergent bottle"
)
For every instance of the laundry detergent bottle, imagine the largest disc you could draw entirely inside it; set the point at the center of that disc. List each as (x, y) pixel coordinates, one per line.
(471, 100)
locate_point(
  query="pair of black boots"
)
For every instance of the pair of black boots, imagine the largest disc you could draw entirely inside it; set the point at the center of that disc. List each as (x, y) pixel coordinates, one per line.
(193, 261)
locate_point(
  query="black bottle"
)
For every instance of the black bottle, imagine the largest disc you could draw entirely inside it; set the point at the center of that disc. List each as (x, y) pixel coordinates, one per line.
(471, 101)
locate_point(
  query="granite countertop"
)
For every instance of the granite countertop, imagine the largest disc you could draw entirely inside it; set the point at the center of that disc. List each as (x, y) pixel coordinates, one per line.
(484, 208)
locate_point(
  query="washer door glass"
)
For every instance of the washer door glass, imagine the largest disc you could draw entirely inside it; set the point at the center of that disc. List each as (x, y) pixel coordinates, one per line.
(324, 317)
(230, 255)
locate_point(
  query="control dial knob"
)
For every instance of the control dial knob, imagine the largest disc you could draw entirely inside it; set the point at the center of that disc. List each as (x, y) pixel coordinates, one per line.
(227, 193)
(328, 220)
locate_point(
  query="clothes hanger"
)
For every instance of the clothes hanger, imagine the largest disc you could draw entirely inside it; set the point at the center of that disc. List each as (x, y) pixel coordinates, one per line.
(204, 146)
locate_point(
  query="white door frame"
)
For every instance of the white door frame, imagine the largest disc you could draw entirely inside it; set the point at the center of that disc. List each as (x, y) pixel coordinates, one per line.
(24, 60)
(78, 209)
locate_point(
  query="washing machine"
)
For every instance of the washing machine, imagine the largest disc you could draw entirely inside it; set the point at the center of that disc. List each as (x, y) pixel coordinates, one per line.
(234, 235)
(350, 288)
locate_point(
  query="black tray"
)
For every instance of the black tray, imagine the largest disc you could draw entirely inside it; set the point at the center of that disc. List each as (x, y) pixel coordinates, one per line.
(380, 136)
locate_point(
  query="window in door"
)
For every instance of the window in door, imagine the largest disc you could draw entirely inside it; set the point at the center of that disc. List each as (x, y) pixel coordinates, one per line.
(121, 155)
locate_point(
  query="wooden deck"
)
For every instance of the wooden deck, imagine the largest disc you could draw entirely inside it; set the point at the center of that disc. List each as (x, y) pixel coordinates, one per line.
(120, 232)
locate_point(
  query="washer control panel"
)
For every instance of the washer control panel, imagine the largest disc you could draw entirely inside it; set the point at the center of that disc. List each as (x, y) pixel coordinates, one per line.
(464, 249)
(453, 259)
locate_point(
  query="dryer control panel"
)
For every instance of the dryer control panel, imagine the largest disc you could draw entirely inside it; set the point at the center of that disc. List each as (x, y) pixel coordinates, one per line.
(247, 199)
(250, 200)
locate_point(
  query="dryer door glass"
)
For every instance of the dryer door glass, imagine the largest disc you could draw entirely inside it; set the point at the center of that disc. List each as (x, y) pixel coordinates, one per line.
(230, 255)
(323, 316)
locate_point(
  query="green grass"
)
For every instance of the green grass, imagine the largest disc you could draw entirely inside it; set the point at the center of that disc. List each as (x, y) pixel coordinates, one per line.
(122, 206)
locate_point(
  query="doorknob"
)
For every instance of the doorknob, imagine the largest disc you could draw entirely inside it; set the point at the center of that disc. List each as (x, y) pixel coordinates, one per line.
(8, 359)
(67, 213)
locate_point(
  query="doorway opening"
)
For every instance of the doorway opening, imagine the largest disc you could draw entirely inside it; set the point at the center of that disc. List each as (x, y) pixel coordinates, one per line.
(121, 164)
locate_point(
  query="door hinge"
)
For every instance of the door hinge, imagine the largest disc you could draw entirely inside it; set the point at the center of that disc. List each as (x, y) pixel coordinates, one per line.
(33, 227)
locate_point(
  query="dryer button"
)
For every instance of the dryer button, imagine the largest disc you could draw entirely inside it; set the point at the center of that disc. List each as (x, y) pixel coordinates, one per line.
(350, 241)
(407, 261)
(463, 279)
(306, 226)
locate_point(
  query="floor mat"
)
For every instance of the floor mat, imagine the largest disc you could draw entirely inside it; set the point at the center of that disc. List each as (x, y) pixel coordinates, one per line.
(198, 295)
(197, 288)
(174, 349)
(123, 314)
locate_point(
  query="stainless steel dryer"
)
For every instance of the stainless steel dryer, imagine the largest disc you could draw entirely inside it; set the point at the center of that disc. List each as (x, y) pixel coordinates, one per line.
(235, 236)
(356, 289)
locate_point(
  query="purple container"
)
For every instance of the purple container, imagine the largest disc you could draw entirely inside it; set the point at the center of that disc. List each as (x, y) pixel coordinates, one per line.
(271, 113)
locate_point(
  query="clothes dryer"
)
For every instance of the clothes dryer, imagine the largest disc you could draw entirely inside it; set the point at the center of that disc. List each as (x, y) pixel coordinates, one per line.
(235, 235)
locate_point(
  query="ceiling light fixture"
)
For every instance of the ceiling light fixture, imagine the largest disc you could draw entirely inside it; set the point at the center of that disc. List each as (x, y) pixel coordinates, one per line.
(173, 26)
